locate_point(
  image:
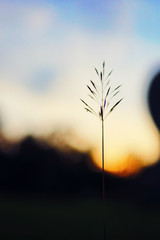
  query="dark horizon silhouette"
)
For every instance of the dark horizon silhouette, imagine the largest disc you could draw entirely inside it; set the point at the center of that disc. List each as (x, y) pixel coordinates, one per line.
(37, 168)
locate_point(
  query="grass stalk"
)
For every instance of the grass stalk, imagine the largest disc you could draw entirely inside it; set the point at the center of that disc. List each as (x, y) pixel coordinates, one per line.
(106, 95)
(103, 173)
(103, 183)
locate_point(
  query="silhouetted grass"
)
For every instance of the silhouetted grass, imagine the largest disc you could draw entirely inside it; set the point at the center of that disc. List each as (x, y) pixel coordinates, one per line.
(102, 94)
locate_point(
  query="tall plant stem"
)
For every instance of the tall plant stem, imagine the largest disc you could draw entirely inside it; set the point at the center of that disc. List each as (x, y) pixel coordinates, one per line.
(103, 182)
(103, 95)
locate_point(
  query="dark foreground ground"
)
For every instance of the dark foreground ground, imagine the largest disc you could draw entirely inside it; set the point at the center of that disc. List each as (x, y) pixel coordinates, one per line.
(29, 219)
(47, 194)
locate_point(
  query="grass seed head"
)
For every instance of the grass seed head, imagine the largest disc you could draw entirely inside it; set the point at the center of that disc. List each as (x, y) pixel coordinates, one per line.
(102, 95)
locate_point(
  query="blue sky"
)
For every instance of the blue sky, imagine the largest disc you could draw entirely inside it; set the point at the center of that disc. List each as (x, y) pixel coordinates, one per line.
(100, 16)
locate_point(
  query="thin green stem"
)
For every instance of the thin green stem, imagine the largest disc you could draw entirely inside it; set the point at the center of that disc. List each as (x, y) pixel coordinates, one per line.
(103, 182)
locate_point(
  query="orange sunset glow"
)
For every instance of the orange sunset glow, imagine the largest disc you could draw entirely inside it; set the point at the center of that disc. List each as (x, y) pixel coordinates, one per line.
(124, 166)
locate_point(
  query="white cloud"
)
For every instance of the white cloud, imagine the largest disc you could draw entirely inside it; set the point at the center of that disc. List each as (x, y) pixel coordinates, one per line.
(39, 20)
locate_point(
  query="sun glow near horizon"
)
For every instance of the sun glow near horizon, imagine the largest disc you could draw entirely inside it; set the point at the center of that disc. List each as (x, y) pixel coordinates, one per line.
(127, 155)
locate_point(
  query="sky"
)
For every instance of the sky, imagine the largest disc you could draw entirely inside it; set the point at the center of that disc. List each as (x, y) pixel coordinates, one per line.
(48, 53)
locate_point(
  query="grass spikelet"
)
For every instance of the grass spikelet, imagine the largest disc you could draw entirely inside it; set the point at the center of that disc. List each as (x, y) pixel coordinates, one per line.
(107, 92)
(93, 84)
(91, 90)
(117, 88)
(115, 105)
(101, 75)
(103, 67)
(96, 71)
